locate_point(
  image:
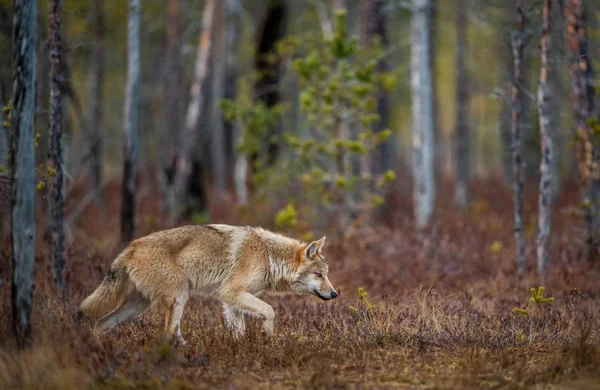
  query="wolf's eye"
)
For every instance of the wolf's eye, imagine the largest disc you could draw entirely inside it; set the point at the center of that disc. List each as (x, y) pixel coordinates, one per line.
(319, 275)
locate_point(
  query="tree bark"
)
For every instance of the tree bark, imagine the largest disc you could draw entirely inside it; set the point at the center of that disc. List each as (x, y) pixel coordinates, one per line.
(545, 195)
(372, 23)
(463, 153)
(132, 120)
(96, 114)
(217, 135)
(169, 134)
(235, 130)
(189, 138)
(582, 91)
(518, 45)
(57, 206)
(23, 166)
(422, 113)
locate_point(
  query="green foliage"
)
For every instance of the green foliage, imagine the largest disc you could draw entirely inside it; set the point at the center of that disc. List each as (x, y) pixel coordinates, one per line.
(537, 297)
(200, 218)
(6, 113)
(363, 305)
(287, 217)
(338, 111)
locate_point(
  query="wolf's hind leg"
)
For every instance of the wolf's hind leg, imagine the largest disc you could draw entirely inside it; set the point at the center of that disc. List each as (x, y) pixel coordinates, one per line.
(173, 317)
(133, 304)
(234, 320)
(249, 303)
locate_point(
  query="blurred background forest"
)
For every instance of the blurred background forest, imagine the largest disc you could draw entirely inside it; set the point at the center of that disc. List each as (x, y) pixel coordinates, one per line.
(95, 64)
(428, 138)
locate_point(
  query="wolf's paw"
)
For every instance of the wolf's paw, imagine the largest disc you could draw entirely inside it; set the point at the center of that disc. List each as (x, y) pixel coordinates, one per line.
(181, 341)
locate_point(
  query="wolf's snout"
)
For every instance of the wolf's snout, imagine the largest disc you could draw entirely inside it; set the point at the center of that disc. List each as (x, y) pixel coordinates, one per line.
(334, 294)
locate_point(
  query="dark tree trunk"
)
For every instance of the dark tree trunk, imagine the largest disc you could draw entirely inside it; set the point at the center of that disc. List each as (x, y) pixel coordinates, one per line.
(587, 151)
(463, 151)
(266, 88)
(237, 171)
(190, 135)
(132, 120)
(372, 23)
(55, 153)
(518, 45)
(95, 122)
(545, 195)
(170, 133)
(217, 136)
(23, 166)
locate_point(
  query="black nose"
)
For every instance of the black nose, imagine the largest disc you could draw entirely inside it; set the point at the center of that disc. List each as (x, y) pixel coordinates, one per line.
(334, 294)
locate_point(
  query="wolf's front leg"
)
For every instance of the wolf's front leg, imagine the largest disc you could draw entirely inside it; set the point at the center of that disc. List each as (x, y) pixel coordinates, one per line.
(248, 302)
(234, 320)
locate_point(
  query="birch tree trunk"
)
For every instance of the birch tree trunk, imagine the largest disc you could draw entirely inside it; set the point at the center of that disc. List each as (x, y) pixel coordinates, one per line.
(372, 23)
(232, 37)
(518, 45)
(57, 206)
(582, 90)
(422, 113)
(545, 195)
(96, 114)
(189, 138)
(22, 116)
(132, 120)
(463, 153)
(169, 134)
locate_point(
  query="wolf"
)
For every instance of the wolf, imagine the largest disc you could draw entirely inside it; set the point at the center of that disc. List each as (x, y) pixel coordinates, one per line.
(233, 264)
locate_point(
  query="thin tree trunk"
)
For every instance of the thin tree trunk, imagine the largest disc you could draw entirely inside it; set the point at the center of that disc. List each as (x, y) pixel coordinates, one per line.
(437, 128)
(95, 122)
(22, 115)
(132, 121)
(372, 23)
(545, 196)
(169, 134)
(217, 135)
(4, 143)
(588, 152)
(240, 167)
(518, 45)
(55, 153)
(189, 138)
(240, 175)
(463, 152)
(422, 113)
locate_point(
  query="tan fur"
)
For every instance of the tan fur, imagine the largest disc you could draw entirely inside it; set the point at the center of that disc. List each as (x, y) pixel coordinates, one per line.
(229, 263)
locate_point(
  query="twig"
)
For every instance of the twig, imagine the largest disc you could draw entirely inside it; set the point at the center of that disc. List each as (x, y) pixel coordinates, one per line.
(323, 18)
(90, 196)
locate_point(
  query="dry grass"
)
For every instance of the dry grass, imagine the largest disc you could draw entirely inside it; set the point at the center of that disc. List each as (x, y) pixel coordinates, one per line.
(439, 314)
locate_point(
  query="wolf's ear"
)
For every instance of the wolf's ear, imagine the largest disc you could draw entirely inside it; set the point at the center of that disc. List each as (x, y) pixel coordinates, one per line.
(313, 248)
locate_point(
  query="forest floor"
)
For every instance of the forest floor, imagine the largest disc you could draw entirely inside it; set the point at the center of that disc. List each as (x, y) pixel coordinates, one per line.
(440, 311)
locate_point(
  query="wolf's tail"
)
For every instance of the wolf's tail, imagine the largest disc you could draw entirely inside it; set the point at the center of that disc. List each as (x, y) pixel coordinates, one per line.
(108, 294)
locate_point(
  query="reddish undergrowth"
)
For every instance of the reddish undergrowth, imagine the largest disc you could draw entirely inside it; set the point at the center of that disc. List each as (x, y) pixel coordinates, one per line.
(439, 310)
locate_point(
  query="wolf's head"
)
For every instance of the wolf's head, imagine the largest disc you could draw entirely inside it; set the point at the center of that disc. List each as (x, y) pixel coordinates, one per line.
(311, 275)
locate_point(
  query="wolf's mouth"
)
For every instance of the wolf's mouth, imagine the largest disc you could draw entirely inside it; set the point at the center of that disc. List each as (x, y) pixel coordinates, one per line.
(321, 296)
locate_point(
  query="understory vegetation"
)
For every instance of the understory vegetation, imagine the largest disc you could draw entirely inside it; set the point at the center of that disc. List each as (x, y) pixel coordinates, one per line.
(437, 309)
